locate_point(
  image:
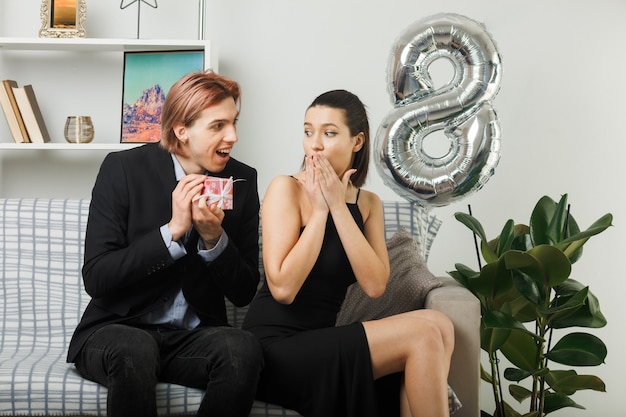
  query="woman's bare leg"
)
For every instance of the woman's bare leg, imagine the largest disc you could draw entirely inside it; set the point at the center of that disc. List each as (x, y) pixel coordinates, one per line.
(404, 403)
(418, 343)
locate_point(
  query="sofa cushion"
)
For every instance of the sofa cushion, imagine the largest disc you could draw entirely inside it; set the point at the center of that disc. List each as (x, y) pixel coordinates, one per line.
(410, 231)
(409, 283)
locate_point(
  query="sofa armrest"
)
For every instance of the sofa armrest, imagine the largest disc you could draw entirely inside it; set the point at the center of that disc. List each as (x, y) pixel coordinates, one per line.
(462, 307)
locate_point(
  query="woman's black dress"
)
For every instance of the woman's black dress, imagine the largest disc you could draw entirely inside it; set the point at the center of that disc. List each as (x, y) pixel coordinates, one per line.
(311, 366)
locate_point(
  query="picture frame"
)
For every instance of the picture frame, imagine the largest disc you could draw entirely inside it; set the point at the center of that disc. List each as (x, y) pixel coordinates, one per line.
(63, 19)
(148, 76)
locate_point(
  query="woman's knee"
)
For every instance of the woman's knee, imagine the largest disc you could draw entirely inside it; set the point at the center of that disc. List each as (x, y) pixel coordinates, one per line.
(433, 328)
(441, 321)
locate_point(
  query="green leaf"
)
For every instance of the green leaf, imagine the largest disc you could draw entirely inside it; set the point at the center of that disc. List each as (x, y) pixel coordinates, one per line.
(596, 227)
(466, 271)
(458, 277)
(568, 382)
(492, 339)
(463, 274)
(485, 376)
(578, 349)
(569, 287)
(581, 318)
(519, 393)
(554, 379)
(546, 264)
(565, 307)
(474, 225)
(572, 229)
(521, 349)
(522, 240)
(556, 227)
(522, 309)
(555, 265)
(518, 240)
(528, 287)
(572, 246)
(555, 402)
(540, 219)
(588, 315)
(506, 238)
(500, 320)
(493, 282)
(515, 374)
(485, 285)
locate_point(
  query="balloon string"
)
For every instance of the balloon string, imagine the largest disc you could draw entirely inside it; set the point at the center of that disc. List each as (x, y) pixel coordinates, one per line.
(469, 208)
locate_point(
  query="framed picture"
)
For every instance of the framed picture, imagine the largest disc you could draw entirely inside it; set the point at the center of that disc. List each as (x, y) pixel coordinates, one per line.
(148, 77)
(63, 19)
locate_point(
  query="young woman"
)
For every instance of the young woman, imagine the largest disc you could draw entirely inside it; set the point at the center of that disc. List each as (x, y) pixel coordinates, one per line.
(321, 233)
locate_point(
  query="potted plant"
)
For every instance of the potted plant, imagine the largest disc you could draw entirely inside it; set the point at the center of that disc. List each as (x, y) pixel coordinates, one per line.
(528, 299)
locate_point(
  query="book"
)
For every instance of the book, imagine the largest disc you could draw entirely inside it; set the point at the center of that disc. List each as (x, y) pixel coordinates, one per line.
(12, 112)
(31, 114)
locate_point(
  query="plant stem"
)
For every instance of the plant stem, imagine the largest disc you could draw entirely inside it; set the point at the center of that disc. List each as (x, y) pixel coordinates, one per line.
(544, 361)
(496, 384)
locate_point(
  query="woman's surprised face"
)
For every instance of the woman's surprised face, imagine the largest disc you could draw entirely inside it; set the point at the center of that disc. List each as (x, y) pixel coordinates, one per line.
(327, 134)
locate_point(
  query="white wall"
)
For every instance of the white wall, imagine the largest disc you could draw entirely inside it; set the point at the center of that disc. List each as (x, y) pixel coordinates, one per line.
(561, 108)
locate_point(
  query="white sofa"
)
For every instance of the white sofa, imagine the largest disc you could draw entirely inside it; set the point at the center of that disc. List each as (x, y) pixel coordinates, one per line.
(42, 298)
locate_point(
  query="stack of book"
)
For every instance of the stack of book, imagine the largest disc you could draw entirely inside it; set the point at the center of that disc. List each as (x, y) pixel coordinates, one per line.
(22, 113)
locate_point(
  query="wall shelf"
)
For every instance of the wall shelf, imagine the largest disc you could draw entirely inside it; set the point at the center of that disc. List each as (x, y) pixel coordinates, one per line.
(100, 44)
(71, 76)
(67, 146)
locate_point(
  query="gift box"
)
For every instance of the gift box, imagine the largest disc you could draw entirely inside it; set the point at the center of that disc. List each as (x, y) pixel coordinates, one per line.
(220, 191)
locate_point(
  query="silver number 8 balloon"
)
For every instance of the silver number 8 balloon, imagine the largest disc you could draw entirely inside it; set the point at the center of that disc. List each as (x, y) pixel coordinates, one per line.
(461, 108)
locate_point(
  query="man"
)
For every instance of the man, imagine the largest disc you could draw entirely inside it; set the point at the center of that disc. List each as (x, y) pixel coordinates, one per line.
(160, 258)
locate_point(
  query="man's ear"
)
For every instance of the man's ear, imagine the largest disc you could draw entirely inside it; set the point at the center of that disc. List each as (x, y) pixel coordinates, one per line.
(180, 130)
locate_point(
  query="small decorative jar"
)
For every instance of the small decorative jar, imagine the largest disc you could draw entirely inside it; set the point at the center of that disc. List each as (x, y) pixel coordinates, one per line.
(78, 129)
